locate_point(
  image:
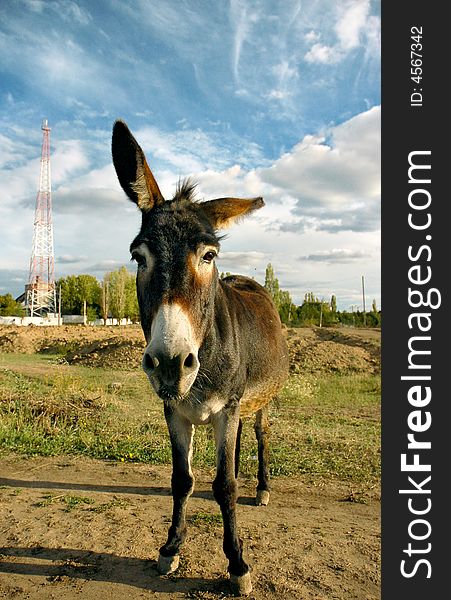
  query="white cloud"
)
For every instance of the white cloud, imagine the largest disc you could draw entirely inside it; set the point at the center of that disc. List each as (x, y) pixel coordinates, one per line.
(241, 29)
(326, 55)
(68, 158)
(351, 23)
(311, 36)
(68, 259)
(277, 95)
(335, 181)
(354, 27)
(336, 255)
(328, 182)
(250, 258)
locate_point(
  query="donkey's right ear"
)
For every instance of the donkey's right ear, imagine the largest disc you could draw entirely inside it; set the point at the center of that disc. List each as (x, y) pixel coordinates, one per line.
(132, 170)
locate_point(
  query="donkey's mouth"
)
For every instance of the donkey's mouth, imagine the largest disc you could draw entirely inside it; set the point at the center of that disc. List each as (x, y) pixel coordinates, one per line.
(170, 393)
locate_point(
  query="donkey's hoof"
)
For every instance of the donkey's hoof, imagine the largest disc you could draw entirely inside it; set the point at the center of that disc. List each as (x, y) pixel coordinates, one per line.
(241, 585)
(262, 498)
(167, 564)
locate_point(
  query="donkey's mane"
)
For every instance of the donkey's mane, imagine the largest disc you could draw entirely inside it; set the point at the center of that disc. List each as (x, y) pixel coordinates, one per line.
(185, 190)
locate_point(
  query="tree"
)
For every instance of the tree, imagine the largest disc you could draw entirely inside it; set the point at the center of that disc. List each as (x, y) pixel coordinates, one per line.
(105, 297)
(89, 290)
(117, 293)
(333, 303)
(131, 299)
(66, 287)
(286, 307)
(76, 290)
(9, 307)
(272, 285)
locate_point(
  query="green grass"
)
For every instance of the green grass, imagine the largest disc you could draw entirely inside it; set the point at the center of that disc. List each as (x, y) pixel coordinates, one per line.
(70, 502)
(327, 426)
(201, 518)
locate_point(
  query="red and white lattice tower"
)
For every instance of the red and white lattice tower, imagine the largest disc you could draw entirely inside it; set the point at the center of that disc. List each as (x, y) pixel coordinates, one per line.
(40, 290)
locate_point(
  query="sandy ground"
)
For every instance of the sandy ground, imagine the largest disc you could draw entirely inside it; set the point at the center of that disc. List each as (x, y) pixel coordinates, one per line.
(310, 542)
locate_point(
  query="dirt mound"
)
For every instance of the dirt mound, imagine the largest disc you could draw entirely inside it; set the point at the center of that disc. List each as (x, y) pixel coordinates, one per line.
(312, 350)
(322, 350)
(61, 340)
(11, 340)
(113, 353)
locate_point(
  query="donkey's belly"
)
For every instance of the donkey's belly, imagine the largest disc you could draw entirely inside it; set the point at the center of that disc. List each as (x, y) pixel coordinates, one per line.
(256, 396)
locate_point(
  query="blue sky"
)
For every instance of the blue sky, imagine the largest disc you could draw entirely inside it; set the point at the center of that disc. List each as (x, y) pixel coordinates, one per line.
(279, 99)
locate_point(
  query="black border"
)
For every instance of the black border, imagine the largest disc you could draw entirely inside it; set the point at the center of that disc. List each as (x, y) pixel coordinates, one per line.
(406, 129)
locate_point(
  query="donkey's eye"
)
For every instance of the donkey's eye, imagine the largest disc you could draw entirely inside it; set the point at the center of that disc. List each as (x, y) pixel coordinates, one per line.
(209, 256)
(139, 259)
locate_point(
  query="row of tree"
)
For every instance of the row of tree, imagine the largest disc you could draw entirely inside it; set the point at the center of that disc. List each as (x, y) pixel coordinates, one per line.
(115, 296)
(314, 311)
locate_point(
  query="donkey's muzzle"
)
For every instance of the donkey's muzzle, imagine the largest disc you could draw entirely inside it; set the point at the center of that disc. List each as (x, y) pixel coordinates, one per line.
(170, 360)
(172, 376)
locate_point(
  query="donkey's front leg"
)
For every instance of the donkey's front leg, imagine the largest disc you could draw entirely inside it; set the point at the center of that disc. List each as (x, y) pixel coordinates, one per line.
(225, 424)
(181, 432)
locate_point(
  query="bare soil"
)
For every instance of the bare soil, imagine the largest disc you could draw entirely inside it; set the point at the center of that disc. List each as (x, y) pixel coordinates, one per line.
(312, 541)
(73, 527)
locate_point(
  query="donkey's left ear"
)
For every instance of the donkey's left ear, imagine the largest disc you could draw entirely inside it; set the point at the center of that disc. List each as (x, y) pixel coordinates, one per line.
(132, 170)
(223, 212)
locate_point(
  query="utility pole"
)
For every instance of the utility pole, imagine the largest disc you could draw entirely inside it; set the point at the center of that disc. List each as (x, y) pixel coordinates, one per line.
(59, 305)
(363, 297)
(40, 293)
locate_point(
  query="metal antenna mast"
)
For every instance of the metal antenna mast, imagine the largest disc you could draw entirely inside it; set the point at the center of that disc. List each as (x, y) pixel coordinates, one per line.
(40, 290)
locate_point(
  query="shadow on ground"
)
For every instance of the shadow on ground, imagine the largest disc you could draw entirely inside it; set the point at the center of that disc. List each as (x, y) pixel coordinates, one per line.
(94, 566)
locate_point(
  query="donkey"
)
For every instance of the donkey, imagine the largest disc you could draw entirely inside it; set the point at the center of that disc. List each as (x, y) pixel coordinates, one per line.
(215, 350)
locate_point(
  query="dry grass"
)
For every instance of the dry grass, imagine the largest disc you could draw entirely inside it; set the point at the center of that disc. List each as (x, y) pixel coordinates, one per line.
(327, 426)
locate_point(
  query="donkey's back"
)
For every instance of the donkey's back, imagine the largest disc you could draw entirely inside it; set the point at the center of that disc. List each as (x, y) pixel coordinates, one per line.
(263, 347)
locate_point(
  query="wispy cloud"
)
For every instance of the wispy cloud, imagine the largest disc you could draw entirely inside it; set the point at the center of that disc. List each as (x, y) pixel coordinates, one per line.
(66, 9)
(241, 26)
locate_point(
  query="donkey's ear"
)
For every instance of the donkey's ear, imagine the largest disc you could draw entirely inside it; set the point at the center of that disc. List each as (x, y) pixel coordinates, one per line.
(223, 212)
(132, 169)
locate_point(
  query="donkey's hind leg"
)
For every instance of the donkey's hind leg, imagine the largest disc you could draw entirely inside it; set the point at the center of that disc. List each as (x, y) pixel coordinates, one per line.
(238, 448)
(262, 432)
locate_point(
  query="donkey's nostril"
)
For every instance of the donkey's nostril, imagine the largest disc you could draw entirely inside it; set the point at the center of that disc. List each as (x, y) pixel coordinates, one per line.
(189, 361)
(149, 362)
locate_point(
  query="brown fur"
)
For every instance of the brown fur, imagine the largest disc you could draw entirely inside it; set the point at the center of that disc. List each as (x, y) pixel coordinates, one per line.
(217, 351)
(225, 211)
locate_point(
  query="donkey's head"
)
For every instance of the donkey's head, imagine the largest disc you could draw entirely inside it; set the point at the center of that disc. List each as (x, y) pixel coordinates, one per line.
(176, 277)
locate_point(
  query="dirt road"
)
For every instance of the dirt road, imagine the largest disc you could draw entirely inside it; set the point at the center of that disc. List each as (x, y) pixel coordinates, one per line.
(79, 528)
